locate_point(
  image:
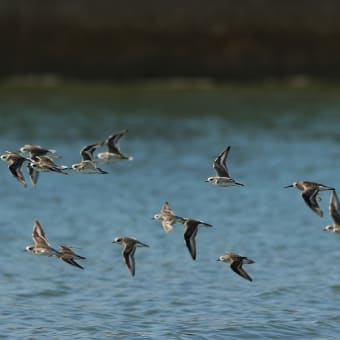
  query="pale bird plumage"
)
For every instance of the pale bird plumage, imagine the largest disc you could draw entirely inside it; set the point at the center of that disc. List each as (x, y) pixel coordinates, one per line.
(168, 217)
(41, 245)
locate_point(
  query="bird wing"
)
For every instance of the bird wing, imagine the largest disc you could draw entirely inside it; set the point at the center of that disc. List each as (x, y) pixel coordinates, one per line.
(167, 225)
(334, 207)
(38, 236)
(15, 169)
(87, 151)
(71, 261)
(113, 142)
(189, 237)
(220, 165)
(128, 254)
(166, 209)
(236, 266)
(68, 252)
(34, 175)
(309, 197)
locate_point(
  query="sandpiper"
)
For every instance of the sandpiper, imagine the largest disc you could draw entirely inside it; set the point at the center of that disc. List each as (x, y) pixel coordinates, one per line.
(310, 193)
(191, 228)
(34, 152)
(334, 211)
(87, 164)
(129, 247)
(222, 177)
(168, 217)
(236, 261)
(113, 146)
(37, 150)
(45, 164)
(68, 255)
(41, 245)
(15, 161)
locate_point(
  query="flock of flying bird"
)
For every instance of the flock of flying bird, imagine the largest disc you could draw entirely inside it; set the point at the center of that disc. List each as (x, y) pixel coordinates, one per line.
(38, 160)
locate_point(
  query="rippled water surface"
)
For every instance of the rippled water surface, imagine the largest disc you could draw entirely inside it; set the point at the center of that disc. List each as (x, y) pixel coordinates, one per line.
(278, 135)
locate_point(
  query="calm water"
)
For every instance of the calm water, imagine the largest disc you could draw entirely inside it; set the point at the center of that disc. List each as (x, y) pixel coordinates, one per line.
(278, 135)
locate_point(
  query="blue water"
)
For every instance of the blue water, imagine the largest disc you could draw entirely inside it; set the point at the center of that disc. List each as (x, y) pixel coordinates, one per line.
(278, 134)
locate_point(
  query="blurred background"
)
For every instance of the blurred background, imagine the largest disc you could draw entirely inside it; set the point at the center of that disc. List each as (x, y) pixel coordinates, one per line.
(120, 40)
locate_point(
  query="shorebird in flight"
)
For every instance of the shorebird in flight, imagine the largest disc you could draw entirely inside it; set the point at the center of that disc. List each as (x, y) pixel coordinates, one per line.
(87, 164)
(113, 145)
(191, 229)
(168, 217)
(68, 255)
(37, 150)
(15, 161)
(41, 245)
(222, 177)
(236, 261)
(310, 193)
(46, 164)
(129, 247)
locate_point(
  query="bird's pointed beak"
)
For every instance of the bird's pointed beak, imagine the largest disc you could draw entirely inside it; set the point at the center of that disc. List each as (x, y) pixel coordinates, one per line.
(288, 186)
(242, 185)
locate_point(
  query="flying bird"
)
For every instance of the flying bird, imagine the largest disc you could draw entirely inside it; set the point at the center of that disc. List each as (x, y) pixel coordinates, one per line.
(236, 261)
(41, 245)
(310, 193)
(87, 164)
(15, 162)
(222, 177)
(36, 150)
(68, 255)
(46, 164)
(113, 145)
(191, 229)
(168, 217)
(129, 247)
